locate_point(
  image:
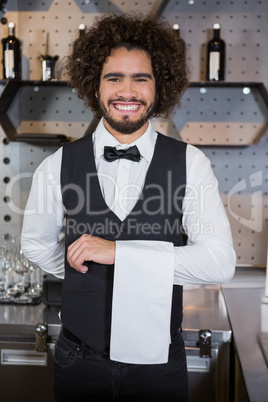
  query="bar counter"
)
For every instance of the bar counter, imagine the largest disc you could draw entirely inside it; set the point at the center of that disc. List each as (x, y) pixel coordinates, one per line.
(231, 312)
(204, 307)
(243, 296)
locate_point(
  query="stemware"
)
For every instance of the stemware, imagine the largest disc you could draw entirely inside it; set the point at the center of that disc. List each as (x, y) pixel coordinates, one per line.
(2, 276)
(39, 279)
(21, 267)
(35, 288)
(15, 270)
(5, 258)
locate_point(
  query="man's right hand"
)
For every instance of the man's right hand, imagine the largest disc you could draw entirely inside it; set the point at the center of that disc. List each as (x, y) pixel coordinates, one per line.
(90, 248)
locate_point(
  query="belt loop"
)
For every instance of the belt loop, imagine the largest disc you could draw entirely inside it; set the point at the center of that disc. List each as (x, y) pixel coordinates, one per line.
(81, 350)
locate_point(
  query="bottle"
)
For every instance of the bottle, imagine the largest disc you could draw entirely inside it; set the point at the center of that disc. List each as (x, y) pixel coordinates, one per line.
(81, 33)
(81, 29)
(48, 64)
(215, 56)
(176, 28)
(11, 54)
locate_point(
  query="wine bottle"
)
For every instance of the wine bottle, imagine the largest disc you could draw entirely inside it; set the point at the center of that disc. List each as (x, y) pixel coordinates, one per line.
(215, 56)
(176, 28)
(11, 54)
(81, 29)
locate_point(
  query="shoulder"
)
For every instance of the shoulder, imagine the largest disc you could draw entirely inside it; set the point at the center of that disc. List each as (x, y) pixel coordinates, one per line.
(195, 156)
(199, 169)
(51, 162)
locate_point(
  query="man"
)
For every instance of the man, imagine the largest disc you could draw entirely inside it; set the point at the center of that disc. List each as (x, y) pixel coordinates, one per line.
(143, 218)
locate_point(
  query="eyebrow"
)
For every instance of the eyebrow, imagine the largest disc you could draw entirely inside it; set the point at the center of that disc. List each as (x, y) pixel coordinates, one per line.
(121, 75)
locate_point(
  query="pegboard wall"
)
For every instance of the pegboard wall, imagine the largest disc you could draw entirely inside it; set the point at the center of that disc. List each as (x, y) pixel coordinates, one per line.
(227, 119)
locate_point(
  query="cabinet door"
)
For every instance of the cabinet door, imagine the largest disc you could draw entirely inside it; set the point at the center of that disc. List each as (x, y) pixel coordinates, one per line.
(208, 376)
(26, 375)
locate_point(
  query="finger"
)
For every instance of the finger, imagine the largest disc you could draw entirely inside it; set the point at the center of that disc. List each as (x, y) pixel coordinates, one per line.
(76, 244)
(77, 256)
(78, 265)
(74, 248)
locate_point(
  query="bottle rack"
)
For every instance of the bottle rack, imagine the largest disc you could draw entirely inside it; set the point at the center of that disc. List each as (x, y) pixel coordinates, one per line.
(254, 93)
(10, 90)
(223, 113)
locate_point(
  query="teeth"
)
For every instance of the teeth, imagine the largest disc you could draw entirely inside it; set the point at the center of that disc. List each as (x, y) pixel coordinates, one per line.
(129, 107)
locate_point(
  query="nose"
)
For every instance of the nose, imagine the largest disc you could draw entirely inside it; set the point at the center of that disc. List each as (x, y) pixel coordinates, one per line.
(127, 89)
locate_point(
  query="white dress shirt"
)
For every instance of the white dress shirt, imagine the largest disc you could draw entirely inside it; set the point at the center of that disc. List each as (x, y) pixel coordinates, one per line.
(208, 257)
(139, 335)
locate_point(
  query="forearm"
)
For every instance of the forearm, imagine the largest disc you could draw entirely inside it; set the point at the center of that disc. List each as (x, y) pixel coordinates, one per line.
(193, 264)
(49, 257)
(200, 264)
(43, 219)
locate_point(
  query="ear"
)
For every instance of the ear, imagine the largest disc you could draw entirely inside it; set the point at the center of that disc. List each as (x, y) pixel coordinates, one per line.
(97, 94)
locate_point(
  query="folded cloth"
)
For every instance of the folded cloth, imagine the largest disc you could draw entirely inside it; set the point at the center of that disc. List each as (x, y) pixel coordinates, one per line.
(142, 298)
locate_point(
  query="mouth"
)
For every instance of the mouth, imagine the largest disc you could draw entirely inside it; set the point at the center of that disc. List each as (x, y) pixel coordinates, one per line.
(126, 107)
(130, 106)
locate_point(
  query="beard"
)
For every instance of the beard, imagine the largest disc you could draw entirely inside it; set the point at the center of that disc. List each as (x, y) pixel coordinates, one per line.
(126, 126)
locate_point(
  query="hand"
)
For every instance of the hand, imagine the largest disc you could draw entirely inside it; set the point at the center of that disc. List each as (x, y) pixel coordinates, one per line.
(90, 248)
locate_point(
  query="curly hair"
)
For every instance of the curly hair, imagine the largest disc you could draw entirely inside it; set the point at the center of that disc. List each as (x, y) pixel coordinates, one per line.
(166, 49)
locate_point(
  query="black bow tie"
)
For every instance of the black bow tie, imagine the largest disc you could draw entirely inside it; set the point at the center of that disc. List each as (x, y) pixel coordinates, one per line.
(132, 153)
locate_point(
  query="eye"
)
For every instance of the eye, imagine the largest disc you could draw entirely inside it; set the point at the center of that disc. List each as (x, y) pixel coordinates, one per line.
(114, 79)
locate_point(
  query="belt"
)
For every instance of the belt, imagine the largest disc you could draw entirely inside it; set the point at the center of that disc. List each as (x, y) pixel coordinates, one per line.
(69, 335)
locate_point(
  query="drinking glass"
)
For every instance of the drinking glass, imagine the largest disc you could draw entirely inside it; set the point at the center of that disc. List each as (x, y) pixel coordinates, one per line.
(21, 268)
(35, 289)
(5, 259)
(2, 276)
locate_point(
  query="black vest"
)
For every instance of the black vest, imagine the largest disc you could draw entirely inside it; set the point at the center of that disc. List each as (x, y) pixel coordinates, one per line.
(87, 298)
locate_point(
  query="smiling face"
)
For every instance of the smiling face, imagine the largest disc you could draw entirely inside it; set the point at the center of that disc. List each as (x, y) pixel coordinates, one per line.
(127, 93)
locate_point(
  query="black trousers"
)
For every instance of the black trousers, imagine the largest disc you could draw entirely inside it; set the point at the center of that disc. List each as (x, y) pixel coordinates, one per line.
(82, 375)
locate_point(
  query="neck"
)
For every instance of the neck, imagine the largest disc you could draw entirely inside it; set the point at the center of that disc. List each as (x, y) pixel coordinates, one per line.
(126, 138)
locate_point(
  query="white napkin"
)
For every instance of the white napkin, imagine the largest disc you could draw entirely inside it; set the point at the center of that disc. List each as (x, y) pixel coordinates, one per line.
(142, 297)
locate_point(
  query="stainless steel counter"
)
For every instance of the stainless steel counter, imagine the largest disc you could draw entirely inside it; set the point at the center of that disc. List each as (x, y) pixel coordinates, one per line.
(204, 307)
(243, 300)
(31, 371)
(205, 313)
(20, 321)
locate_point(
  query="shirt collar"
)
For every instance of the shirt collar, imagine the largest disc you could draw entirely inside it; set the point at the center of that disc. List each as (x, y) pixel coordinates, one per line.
(145, 143)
